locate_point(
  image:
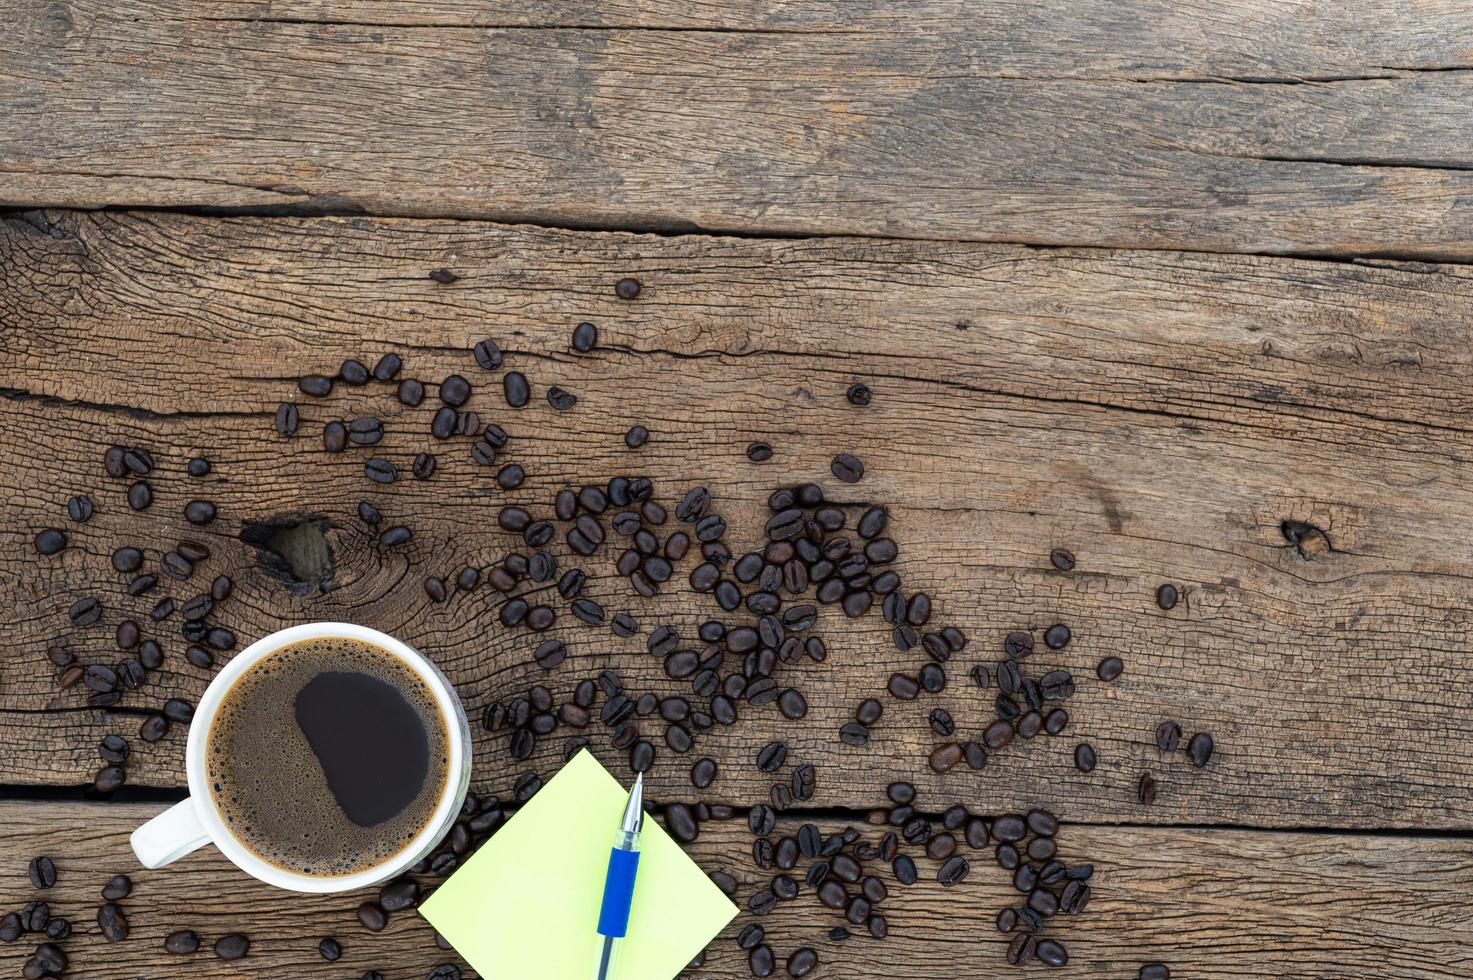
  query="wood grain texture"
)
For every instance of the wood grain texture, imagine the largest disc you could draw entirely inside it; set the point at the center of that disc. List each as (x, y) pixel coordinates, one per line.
(1216, 904)
(1060, 123)
(1159, 414)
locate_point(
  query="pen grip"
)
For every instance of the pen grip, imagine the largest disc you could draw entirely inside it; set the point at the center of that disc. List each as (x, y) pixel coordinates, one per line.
(613, 915)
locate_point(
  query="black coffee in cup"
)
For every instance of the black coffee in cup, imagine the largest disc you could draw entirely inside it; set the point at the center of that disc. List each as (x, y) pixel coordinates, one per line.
(328, 757)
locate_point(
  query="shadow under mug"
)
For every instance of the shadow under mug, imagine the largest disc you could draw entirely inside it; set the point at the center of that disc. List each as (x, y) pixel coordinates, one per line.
(195, 822)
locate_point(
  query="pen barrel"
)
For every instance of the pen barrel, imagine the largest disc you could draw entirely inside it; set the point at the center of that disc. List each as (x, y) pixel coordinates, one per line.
(613, 914)
(606, 959)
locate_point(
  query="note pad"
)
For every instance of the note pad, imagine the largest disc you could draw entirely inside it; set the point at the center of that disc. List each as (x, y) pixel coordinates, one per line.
(526, 905)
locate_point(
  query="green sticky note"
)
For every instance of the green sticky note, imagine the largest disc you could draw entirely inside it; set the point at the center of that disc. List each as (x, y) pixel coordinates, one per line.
(526, 905)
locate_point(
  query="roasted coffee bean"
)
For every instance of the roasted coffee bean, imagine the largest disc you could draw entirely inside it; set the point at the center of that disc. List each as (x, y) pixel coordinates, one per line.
(759, 452)
(681, 823)
(79, 508)
(1062, 560)
(560, 398)
(352, 372)
(380, 470)
(940, 847)
(192, 550)
(540, 618)
(35, 916)
(541, 567)
(858, 394)
(484, 452)
(395, 536)
(945, 756)
(1109, 668)
(199, 512)
(1042, 823)
(140, 495)
(516, 389)
(411, 392)
(771, 757)
(154, 728)
(932, 678)
(112, 922)
(1074, 897)
(442, 426)
(1056, 685)
(1041, 849)
(1155, 971)
(1044, 902)
(233, 946)
(117, 888)
(703, 773)
(953, 871)
(1018, 645)
(904, 687)
(792, 704)
(750, 937)
(641, 757)
(1199, 749)
(805, 779)
(1166, 596)
(1021, 950)
(764, 855)
(487, 354)
(1145, 789)
(42, 872)
(1057, 636)
(1168, 736)
(399, 895)
(334, 437)
(538, 533)
(183, 942)
(100, 678)
(131, 674)
(710, 528)
(50, 541)
(387, 368)
(588, 611)
(854, 734)
(760, 961)
(114, 749)
(1051, 953)
(372, 916)
(287, 420)
(455, 391)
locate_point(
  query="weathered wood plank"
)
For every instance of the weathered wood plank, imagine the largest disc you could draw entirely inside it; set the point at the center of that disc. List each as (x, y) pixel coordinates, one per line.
(1159, 414)
(1065, 124)
(1211, 903)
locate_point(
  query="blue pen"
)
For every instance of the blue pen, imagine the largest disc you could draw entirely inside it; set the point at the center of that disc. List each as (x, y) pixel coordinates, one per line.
(613, 915)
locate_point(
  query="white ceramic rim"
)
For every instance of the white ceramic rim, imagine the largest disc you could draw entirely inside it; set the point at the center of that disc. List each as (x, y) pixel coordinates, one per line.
(457, 771)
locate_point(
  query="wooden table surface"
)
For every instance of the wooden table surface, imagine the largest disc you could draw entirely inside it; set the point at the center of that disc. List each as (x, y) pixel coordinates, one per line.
(1179, 287)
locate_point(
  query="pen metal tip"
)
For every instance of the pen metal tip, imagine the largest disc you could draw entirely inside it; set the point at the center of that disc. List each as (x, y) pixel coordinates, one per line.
(634, 810)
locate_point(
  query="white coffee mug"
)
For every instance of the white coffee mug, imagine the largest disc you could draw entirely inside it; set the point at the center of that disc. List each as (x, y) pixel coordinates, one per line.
(190, 825)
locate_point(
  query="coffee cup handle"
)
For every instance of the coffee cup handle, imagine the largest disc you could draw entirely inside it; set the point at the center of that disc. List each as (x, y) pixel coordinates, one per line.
(170, 835)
